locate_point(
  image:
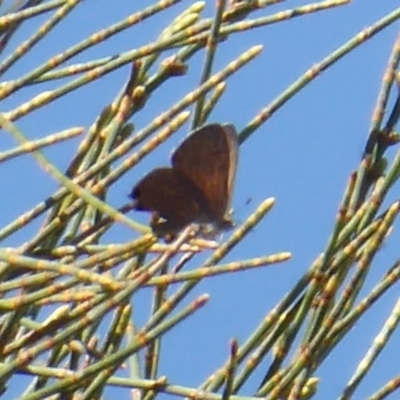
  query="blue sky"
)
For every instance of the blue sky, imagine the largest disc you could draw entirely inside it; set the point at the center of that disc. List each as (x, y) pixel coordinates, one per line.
(302, 156)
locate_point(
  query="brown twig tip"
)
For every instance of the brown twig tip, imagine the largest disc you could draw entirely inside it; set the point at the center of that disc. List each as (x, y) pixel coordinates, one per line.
(174, 66)
(202, 300)
(233, 345)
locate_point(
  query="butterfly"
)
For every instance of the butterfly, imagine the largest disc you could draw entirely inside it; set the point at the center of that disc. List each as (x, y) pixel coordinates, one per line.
(198, 186)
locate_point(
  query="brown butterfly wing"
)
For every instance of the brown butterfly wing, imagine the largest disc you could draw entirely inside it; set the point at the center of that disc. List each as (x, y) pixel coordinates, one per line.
(170, 195)
(208, 159)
